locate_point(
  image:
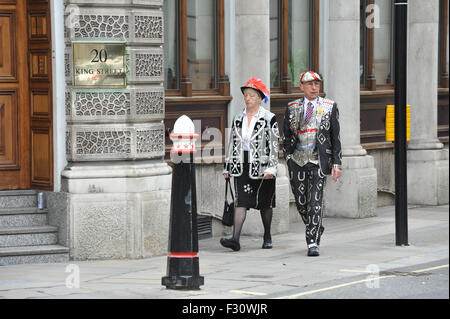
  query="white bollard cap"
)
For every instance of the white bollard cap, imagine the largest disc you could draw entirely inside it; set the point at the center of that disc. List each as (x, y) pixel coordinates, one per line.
(183, 136)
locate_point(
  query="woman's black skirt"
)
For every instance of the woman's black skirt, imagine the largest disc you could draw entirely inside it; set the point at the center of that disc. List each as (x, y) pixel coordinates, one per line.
(253, 193)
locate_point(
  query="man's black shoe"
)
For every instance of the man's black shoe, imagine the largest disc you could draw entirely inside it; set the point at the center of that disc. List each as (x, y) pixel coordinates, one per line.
(230, 243)
(267, 244)
(313, 251)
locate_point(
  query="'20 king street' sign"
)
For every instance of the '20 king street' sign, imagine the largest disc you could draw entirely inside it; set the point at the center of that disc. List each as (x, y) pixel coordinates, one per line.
(99, 65)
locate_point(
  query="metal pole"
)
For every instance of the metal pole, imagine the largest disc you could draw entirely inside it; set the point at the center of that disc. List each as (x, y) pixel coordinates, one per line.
(401, 198)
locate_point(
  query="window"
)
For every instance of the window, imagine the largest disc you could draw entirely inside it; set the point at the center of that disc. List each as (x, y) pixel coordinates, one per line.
(171, 52)
(294, 42)
(201, 22)
(376, 69)
(275, 65)
(382, 43)
(443, 44)
(194, 64)
(377, 65)
(443, 109)
(376, 58)
(194, 47)
(300, 39)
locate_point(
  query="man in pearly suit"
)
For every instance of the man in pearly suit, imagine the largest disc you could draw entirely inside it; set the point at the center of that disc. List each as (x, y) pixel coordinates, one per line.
(312, 150)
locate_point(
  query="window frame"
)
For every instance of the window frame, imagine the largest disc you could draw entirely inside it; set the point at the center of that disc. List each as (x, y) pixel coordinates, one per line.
(286, 82)
(370, 83)
(374, 98)
(185, 81)
(443, 45)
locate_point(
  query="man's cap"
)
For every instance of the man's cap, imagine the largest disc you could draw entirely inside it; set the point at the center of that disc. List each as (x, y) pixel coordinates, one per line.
(309, 76)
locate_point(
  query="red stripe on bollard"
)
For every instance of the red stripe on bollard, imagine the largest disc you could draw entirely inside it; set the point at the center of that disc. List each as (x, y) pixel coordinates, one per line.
(183, 255)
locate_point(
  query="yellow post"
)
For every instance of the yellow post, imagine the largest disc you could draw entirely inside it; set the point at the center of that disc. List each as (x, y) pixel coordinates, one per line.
(390, 123)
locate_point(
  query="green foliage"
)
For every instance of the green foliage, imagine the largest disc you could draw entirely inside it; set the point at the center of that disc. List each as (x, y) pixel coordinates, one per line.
(298, 64)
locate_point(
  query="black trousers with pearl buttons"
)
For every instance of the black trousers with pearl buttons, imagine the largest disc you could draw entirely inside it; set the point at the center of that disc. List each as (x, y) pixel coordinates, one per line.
(307, 185)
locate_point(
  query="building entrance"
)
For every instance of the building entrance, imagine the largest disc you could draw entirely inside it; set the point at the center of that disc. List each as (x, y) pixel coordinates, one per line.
(25, 95)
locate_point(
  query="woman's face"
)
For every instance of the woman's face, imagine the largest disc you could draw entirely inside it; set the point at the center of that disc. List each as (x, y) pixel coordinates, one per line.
(252, 98)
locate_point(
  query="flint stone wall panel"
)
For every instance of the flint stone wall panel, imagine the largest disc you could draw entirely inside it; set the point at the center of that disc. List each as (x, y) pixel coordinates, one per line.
(121, 3)
(133, 104)
(133, 26)
(115, 141)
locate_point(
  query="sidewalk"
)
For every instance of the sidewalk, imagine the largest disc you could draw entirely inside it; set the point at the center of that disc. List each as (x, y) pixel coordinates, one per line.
(348, 246)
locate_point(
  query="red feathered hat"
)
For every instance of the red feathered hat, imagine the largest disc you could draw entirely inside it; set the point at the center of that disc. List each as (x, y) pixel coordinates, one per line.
(258, 85)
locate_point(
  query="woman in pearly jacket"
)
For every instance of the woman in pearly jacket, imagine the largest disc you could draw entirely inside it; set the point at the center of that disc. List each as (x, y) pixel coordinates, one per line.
(252, 160)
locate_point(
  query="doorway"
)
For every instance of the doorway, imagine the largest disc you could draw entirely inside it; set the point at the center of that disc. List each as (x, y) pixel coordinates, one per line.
(26, 148)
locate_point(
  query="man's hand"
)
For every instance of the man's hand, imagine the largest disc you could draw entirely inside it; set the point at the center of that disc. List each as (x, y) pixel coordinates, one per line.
(336, 173)
(226, 176)
(268, 176)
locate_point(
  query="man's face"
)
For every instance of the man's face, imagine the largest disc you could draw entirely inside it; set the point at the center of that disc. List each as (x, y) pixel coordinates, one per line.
(311, 89)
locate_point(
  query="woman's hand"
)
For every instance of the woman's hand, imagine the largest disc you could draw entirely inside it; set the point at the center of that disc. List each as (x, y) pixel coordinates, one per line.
(268, 176)
(226, 176)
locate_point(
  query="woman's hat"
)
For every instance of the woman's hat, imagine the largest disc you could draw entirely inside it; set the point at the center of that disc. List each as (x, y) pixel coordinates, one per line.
(256, 84)
(309, 76)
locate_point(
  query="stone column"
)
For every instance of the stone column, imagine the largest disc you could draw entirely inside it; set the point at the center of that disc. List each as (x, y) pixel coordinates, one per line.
(428, 163)
(117, 182)
(252, 58)
(355, 194)
(251, 47)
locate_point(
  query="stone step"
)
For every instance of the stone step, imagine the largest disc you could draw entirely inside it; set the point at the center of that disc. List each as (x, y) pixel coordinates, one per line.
(28, 236)
(33, 255)
(18, 198)
(22, 217)
(25, 236)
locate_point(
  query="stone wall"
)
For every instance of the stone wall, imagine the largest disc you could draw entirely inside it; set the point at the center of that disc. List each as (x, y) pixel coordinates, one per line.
(118, 123)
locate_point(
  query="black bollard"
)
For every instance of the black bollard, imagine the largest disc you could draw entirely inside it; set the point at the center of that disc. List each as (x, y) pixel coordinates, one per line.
(183, 271)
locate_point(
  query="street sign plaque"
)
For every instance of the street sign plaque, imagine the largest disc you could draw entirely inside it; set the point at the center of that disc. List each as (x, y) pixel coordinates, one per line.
(99, 65)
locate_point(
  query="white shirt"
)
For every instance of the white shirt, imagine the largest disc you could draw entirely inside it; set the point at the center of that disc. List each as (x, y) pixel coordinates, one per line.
(305, 103)
(247, 129)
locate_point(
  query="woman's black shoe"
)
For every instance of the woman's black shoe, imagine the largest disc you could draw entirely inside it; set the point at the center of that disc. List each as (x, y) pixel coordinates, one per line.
(230, 243)
(267, 244)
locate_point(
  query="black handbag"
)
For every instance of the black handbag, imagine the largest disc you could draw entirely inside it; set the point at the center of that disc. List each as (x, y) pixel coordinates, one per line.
(228, 209)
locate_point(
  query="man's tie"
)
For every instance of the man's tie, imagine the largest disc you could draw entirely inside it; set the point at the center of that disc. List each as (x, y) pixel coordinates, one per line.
(309, 112)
